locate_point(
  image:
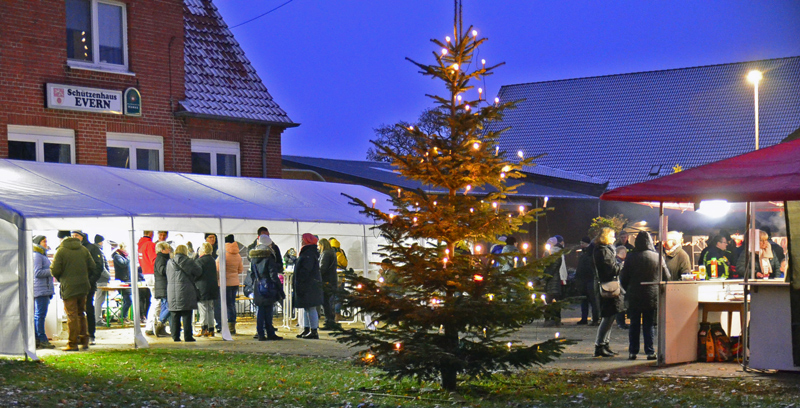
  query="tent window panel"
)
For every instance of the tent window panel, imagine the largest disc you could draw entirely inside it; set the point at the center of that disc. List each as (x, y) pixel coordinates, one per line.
(119, 157)
(226, 164)
(18, 150)
(201, 163)
(57, 153)
(147, 159)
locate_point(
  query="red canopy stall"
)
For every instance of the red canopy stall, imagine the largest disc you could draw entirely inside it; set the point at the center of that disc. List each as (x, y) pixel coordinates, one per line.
(770, 174)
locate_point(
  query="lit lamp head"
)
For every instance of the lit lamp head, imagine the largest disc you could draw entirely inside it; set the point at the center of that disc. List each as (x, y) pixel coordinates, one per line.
(754, 76)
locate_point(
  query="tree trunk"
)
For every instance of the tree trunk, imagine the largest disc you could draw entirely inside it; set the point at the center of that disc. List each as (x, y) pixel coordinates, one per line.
(449, 378)
(450, 371)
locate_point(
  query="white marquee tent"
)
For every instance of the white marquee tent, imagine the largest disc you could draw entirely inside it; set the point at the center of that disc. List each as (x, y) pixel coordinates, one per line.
(48, 197)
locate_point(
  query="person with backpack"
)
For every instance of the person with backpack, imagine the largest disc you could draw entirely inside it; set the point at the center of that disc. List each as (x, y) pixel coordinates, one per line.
(341, 257)
(265, 285)
(307, 286)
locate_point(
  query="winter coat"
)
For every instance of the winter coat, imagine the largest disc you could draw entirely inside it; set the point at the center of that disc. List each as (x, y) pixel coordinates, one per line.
(147, 254)
(553, 281)
(233, 264)
(327, 267)
(608, 270)
(208, 282)
(160, 275)
(71, 267)
(263, 265)
(678, 263)
(42, 279)
(641, 265)
(585, 271)
(724, 262)
(181, 291)
(99, 263)
(742, 266)
(307, 284)
(122, 270)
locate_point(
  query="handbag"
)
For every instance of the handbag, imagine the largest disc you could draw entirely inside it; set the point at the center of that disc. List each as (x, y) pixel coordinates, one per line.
(610, 289)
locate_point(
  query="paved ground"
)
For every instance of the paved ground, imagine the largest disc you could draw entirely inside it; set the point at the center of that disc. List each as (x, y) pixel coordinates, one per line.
(576, 357)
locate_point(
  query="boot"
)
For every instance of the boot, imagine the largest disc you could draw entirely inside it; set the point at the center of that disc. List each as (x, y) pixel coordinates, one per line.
(608, 350)
(232, 328)
(600, 351)
(161, 330)
(312, 335)
(305, 332)
(211, 331)
(204, 331)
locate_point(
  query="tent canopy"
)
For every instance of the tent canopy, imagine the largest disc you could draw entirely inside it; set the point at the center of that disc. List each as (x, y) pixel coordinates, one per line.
(45, 194)
(770, 174)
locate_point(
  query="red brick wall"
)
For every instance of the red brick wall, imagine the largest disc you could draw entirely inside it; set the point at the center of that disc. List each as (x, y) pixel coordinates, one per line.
(34, 53)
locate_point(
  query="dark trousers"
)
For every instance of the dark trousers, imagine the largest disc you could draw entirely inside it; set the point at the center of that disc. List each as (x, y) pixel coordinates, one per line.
(230, 302)
(589, 291)
(144, 302)
(641, 319)
(329, 302)
(175, 319)
(90, 318)
(127, 303)
(264, 321)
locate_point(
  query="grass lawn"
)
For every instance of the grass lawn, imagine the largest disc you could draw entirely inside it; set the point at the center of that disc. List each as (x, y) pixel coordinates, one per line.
(176, 378)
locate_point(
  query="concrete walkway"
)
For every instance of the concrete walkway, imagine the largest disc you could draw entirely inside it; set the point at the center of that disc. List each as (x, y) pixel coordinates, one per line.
(576, 357)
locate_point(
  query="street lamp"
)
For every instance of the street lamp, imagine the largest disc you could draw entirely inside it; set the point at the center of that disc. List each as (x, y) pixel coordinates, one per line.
(754, 77)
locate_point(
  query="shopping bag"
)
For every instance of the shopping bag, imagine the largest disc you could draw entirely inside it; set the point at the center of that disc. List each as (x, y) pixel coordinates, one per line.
(722, 344)
(705, 343)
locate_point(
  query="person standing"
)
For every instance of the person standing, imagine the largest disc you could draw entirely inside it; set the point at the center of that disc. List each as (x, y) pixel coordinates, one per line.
(264, 266)
(163, 250)
(207, 288)
(607, 271)
(509, 248)
(623, 240)
(43, 290)
(555, 279)
(122, 272)
(71, 267)
(677, 259)
(622, 253)
(308, 286)
(211, 239)
(147, 257)
(94, 276)
(719, 257)
(642, 266)
(234, 266)
(182, 272)
(105, 277)
(327, 270)
(587, 285)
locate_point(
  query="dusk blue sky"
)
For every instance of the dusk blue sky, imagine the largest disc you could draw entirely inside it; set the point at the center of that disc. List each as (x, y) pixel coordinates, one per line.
(338, 67)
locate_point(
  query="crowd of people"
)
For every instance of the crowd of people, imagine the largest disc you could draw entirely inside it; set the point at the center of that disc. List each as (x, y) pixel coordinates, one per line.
(181, 281)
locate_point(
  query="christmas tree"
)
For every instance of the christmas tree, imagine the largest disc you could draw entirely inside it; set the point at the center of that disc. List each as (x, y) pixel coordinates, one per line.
(449, 311)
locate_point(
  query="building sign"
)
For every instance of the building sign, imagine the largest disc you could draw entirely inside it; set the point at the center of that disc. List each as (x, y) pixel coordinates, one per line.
(133, 102)
(83, 99)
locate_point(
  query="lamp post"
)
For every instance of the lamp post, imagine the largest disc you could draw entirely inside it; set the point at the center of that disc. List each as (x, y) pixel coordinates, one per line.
(754, 77)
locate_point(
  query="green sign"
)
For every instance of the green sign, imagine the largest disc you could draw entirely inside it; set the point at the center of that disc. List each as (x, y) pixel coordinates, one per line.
(133, 102)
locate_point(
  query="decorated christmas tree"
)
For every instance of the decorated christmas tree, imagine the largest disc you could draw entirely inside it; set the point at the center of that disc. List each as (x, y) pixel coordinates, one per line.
(446, 306)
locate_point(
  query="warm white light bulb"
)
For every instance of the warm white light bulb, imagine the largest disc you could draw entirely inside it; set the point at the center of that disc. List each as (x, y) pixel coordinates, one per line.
(754, 76)
(521, 156)
(480, 91)
(444, 51)
(466, 107)
(496, 101)
(474, 33)
(447, 38)
(455, 67)
(476, 145)
(458, 98)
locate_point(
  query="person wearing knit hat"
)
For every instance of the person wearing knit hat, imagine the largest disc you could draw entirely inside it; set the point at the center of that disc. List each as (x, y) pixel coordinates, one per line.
(308, 286)
(233, 268)
(98, 239)
(229, 239)
(43, 290)
(63, 234)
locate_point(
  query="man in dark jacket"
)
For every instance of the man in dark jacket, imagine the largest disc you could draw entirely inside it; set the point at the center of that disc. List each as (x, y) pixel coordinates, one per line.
(587, 285)
(641, 266)
(94, 275)
(276, 252)
(71, 267)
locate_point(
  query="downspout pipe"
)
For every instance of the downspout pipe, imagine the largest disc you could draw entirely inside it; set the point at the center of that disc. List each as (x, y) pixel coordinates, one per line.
(264, 152)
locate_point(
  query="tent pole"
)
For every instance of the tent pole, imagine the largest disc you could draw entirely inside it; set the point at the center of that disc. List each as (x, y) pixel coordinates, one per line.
(25, 265)
(223, 315)
(366, 263)
(751, 265)
(662, 310)
(138, 337)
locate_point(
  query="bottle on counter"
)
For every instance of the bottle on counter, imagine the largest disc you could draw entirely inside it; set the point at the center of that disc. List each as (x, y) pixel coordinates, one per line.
(713, 265)
(702, 274)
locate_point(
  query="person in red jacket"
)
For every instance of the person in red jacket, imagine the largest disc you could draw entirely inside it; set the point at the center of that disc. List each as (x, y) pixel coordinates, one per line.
(147, 259)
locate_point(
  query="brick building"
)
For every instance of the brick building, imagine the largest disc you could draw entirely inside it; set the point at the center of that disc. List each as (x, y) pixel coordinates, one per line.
(148, 84)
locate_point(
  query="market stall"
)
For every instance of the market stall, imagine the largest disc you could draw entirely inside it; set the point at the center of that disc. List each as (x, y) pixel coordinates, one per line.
(46, 197)
(767, 175)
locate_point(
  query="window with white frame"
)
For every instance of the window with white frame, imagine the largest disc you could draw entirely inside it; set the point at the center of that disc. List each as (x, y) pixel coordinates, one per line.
(41, 144)
(215, 157)
(97, 34)
(134, 151)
